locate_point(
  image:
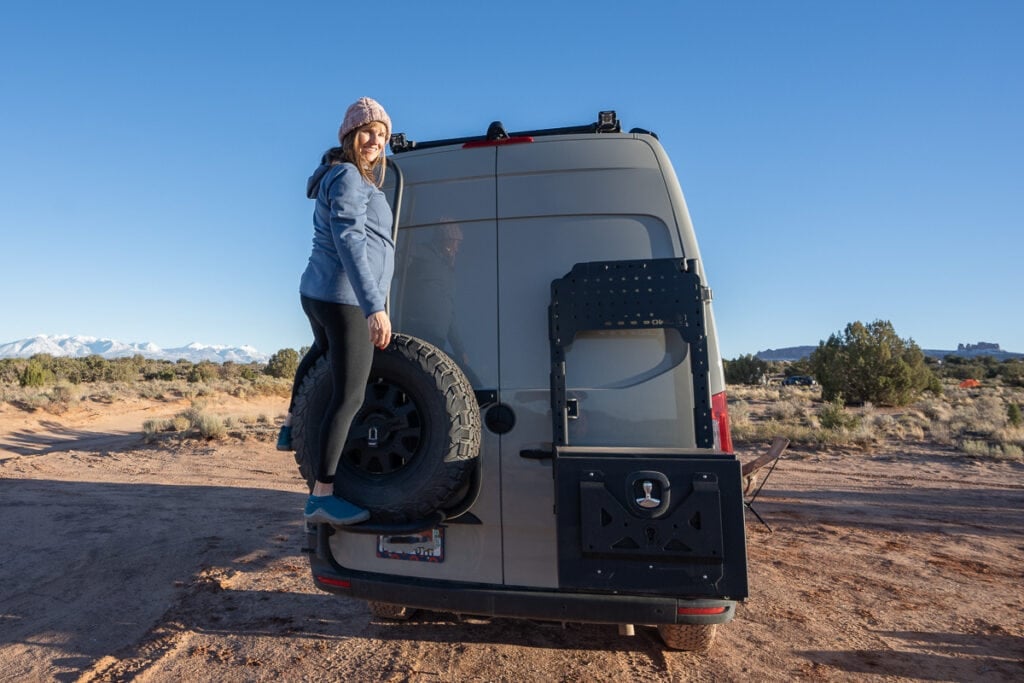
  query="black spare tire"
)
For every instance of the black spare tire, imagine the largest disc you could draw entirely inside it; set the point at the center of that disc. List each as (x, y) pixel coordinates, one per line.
(415, 440)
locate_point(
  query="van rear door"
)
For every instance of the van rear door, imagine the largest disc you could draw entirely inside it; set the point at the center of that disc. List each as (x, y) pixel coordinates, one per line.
(562, 201)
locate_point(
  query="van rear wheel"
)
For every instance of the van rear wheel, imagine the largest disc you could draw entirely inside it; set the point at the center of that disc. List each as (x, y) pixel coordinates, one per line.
(413, 444)
(689, 637)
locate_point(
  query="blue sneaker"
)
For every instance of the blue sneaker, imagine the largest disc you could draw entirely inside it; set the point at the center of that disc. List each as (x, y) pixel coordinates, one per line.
(284, 439)
(334, 510)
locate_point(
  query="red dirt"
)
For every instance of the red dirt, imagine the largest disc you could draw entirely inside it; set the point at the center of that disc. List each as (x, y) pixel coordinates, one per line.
(181, 561)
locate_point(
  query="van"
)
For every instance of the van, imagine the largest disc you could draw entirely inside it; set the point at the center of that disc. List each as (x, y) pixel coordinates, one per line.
(547, 437)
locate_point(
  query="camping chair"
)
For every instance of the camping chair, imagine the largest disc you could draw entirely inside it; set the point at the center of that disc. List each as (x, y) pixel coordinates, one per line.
(750, 492)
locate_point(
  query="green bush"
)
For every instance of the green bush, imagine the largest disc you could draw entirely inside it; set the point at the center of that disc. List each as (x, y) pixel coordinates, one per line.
(1011, 371)
(35, 374)
(748, 369)
(1013, 414)
(833, 416)
(203, 371)
(870, 363)
(283, 364)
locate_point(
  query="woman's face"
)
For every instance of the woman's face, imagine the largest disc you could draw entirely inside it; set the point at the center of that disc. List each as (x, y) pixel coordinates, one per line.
(370, 141)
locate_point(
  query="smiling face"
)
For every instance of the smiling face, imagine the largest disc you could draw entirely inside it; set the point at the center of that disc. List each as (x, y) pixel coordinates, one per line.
(369, 142)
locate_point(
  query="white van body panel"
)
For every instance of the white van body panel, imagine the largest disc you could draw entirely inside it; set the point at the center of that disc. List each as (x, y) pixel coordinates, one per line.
(527, 213)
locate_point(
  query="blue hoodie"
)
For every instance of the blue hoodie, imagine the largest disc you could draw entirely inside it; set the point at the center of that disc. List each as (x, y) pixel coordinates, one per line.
(353, 255)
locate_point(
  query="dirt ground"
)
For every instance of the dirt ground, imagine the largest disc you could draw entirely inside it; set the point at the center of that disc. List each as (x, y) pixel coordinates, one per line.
(182, 561)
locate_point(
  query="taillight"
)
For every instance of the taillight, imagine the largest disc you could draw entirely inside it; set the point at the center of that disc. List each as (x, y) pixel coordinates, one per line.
(498, 141)
(340, 583)
(701, 610)
(720, 418)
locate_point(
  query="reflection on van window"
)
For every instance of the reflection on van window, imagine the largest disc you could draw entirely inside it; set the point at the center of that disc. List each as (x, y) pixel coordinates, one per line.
(535, 251)
(442, 284)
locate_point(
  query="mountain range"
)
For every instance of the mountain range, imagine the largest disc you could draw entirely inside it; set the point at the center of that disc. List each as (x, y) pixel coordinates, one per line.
(80, 346)
(794, 353)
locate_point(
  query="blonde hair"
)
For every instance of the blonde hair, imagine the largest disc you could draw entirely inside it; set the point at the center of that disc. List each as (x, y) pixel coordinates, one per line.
(374, 173)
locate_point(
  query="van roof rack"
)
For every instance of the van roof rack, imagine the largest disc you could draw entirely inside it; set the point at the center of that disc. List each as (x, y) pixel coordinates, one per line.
(607, 122)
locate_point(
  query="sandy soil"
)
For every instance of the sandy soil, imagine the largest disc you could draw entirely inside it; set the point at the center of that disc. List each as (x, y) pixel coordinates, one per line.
(182, 561)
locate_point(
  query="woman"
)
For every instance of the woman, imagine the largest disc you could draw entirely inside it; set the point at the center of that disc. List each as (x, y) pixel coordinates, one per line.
(345, 285)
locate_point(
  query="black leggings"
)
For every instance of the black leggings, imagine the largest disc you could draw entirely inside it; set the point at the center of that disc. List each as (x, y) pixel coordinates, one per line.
(340, 331)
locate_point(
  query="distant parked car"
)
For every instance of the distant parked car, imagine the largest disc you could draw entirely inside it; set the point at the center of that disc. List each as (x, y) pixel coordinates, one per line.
(799, 381)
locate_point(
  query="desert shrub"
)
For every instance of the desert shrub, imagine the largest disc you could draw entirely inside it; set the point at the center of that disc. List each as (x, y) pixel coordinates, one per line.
(64, 393)
(204, 372)
(121, 370)
(1013, 415)
(36, 401)
(264, 385)
(960, 368)
(862, 433)
(766, 430)
(788, 409)
(193, 413)
(914, 425)
(61, 398)
(1012, 451)
(283, 364)
(149, 430)
(162, 370)
(1011, 372)
(975, 447)
(211, 427)
(739, 412)
(196, 419)
(833, 415)
(748, 369)
(995, 451)
(935, 409)
(35, 374)
(940, 433)
(152, 390)
(883, 424)
(871, 363)
(984, 415)
(10, 370)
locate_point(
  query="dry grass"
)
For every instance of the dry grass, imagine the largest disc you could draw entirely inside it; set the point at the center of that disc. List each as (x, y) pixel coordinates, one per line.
(195, 422)
(977, 422)
(59, 398)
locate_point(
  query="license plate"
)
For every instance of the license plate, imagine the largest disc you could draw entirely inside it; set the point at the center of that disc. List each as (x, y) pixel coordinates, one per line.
(424, 546)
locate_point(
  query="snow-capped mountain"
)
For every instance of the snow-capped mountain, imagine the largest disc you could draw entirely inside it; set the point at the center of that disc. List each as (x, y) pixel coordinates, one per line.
(79, 346)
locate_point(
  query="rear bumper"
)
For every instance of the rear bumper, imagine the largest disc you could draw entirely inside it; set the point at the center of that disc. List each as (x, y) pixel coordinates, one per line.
(517, 602)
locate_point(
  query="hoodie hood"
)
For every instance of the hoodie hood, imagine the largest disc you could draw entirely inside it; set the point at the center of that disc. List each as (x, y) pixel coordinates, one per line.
(331, 157)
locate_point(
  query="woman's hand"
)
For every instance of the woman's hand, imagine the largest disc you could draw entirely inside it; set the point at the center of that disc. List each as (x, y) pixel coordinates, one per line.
(380, 329)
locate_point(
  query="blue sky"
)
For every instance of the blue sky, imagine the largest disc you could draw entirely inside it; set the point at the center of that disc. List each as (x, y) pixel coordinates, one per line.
(842, 161)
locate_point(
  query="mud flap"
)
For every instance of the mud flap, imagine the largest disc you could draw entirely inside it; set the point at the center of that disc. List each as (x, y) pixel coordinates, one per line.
(667, 525)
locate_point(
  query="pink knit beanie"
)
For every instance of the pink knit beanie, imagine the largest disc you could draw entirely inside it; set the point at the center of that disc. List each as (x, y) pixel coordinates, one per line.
(361, 112)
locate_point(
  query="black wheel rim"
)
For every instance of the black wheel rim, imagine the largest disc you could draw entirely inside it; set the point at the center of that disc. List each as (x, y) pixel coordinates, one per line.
(387, 431)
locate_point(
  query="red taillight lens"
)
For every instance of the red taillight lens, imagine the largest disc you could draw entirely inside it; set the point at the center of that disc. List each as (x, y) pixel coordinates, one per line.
(499, 141)
(340, 583)
(720, 418)
(701, 610)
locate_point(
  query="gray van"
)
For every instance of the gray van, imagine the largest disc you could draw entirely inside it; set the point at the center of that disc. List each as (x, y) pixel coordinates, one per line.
(548, 437)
